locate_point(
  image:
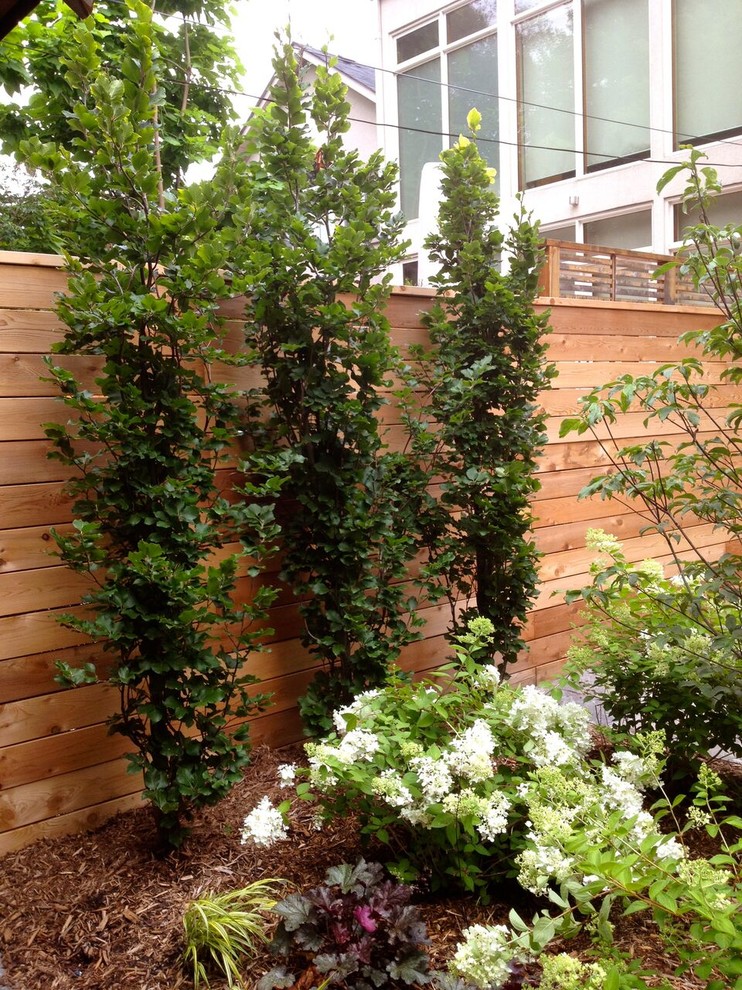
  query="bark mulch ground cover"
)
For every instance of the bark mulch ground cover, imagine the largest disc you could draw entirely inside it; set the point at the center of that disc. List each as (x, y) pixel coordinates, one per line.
(100, 911)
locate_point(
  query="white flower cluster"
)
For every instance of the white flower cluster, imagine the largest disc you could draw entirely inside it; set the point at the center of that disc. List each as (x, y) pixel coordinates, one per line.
(484, 956)
(286, 774)
(487, 678)
(359, 708)
(264, 825)
(562, 802)
(559, 734)
(470, 754)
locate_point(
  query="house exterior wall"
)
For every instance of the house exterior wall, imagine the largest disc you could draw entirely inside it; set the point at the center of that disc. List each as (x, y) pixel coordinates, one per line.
(363, 135)
(651, 68)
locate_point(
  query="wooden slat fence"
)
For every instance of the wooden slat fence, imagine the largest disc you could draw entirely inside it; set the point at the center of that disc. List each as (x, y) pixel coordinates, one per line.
(587, 271)
(59, 770)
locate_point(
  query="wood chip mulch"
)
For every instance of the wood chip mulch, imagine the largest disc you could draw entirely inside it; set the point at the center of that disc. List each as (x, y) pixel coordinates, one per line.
(100, 911)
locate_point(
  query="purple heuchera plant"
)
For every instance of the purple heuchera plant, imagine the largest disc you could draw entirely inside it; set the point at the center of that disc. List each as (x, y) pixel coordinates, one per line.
(358, 930)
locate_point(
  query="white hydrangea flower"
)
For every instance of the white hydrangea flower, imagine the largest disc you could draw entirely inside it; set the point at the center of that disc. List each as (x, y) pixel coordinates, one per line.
(359, 707)
(286, 774)
(264, 825)
(470, 755)
(495, 818)
(484, 956)
(540, 864)
(416, 816)
(619, 794)
(487, 677)
(391, 788)
(550, 750)
(434, 777)
(636, 769)
(358, 744)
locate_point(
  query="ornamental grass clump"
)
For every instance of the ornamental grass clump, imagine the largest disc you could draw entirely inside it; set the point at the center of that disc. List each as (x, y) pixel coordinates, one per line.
(221, 929)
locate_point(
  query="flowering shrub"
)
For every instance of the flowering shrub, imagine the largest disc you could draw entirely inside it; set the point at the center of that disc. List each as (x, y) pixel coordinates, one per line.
(357, 930)
(437, 770)
(265, 824)
(651, 646)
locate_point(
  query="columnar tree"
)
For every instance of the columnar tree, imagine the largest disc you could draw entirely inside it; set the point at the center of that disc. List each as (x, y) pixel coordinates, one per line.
(319, 232)
(152, 528)
(486, 371)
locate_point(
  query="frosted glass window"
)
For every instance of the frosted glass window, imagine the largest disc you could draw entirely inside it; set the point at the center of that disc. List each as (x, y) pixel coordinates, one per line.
(472, 76)
(546, 71)
(708, 42)
(616, 60)
(473, 17)
(566, 232)
(419, 104)
(722, 210)
(630, 231)
(423, 39)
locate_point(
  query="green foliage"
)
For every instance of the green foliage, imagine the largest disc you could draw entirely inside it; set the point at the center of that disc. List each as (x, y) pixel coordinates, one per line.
(314, 234)
(652, 660)
(27, 207)
(152, 528)
(357, 930)
(434, 769)
(696, 478)
(196, 63)
(487, 369)
(221, 929)
(695, 903)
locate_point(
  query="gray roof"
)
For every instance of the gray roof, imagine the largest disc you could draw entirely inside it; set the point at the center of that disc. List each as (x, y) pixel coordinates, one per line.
(362, 74)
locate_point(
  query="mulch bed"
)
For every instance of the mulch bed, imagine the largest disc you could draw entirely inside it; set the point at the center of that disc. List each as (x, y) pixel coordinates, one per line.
(100, 911)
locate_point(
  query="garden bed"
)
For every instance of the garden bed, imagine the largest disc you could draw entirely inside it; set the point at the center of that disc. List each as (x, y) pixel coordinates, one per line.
(101, 911)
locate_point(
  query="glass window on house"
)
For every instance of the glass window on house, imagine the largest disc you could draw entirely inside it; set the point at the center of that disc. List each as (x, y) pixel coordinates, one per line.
(707, 46)
(472, 82)
(564, 232)
(435, 94)
(721, 211)
(420, 127)
(546, 94)
(631, 231)
(616, 80)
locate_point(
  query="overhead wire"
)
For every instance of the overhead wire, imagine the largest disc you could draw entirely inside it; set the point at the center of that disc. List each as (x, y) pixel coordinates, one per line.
(618, 159)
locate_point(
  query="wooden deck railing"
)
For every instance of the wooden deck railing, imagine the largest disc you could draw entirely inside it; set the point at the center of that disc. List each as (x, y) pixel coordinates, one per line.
(589, 271)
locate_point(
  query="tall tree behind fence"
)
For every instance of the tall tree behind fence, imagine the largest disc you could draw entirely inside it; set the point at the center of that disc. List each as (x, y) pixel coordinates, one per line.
(60, 771)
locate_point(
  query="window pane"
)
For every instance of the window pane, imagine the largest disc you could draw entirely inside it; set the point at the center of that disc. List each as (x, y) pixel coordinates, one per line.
(708, 42)
(630, 231)
(567, 232)
(473, 17)
(472, 73)
(521, 6)
(416, 42)
(419, 101)
(722, 210)
(616, 79)
(546, 60)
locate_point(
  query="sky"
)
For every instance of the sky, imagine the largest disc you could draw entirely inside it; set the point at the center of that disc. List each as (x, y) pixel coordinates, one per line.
(347, 27)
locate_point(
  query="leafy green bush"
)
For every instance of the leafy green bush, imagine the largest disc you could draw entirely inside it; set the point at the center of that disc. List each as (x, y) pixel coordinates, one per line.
(485, 371)
(152, 527)
(435, 769)
(315, 231)
(651, 660)
(358, 930)
(686, 473)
